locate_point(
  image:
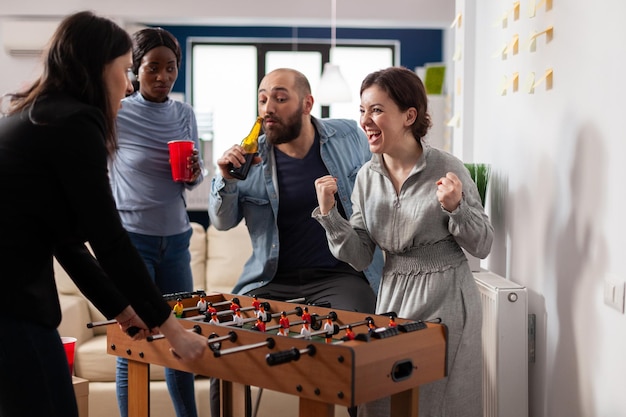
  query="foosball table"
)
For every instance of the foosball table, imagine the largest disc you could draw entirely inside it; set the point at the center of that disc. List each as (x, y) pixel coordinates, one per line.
(322, 355)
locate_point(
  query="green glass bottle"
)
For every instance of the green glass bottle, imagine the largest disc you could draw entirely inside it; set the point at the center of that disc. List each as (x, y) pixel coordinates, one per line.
(251, 145)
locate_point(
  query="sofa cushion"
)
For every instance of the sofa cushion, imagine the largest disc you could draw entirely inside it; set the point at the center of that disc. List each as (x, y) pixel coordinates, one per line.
(75, 317)
(198, 250)
(94, 364)
(227, 251)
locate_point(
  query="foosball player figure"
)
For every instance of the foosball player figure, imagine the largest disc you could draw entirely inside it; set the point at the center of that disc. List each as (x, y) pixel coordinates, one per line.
(283, 330)
(237, 318)
(306, 316)
(392, 322)
(210, 309)
(214, 319)
(306, 330)
(234, 306)
(255, 303)
(329, 328)
(371, 327)
(262, 314)
(178, 308)
(259, 325)
(350, 335)
(202, 304)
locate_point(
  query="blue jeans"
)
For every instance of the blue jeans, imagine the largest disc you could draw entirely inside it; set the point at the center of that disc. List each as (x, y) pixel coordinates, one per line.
(167, 259)
(32, 360)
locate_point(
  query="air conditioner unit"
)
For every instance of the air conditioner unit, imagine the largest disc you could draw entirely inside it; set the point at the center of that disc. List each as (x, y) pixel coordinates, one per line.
(27, 37)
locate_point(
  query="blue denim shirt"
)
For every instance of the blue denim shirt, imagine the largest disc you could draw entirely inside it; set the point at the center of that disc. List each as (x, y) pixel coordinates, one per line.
(344, 150)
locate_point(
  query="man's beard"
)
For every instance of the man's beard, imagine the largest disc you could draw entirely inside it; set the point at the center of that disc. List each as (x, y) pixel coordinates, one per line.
(285, 131)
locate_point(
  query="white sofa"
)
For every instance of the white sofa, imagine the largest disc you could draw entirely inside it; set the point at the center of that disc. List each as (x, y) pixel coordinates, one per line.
(217, 259)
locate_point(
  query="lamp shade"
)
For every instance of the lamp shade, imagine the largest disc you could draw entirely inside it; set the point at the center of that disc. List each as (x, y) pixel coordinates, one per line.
(332, 88)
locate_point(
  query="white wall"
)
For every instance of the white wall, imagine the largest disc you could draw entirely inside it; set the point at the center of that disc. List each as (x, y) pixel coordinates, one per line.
(557, 204)
(367, 13)
(352, 13)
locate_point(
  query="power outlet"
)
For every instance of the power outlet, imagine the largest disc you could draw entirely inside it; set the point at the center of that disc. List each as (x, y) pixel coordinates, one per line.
(614, 294)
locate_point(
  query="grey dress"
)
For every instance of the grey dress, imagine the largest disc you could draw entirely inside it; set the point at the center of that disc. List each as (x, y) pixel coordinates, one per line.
(426, 274)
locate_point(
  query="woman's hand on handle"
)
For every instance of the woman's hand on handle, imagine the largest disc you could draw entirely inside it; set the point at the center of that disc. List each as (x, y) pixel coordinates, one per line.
(186, 345)
(131, 324)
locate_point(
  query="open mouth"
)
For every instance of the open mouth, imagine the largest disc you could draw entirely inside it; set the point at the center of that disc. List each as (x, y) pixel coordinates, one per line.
(373, 135)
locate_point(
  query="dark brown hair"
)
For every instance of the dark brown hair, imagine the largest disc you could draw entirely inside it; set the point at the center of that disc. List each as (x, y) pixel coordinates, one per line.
(74, 63)
(406, 89)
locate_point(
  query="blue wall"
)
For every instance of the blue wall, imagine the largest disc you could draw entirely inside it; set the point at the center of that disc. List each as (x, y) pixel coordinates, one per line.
(417, 46)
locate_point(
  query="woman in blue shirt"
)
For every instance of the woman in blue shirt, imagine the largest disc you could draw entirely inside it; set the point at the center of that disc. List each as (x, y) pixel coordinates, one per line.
(151, 205)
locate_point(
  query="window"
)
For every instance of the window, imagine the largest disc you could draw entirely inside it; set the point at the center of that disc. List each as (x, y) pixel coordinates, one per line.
(225, 75)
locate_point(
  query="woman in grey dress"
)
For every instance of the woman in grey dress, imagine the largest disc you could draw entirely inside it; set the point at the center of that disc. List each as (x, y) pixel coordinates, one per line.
(420, 205)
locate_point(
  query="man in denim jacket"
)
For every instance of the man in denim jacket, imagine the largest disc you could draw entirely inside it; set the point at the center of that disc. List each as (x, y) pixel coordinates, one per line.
(290, 256)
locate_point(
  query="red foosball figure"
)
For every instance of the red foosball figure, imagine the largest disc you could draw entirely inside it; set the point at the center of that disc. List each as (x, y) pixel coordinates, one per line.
(259, 325)
(283, 330)
(255, 303)
(234, 306)
(306, 316)
(210, 309)
(350, 335)
(178, 308)
(392, 322)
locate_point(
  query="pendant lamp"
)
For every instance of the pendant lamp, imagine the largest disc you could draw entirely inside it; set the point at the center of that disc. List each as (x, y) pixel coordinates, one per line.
(332, 88)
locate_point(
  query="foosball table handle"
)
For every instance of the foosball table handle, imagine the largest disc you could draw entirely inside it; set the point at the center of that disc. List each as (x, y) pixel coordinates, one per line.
(285, 356)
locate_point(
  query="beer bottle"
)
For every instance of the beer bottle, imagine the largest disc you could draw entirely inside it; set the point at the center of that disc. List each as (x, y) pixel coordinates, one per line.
(250, 144)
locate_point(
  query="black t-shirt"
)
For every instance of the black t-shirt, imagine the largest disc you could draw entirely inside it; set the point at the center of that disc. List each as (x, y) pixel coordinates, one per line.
(302, 239)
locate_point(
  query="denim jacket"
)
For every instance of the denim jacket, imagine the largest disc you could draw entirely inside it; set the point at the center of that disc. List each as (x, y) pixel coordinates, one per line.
(344, 150)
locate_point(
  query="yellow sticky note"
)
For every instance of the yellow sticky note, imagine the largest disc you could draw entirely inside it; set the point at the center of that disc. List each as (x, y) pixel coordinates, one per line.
(530, 83)
(503, 86)
(458, 52)
(455, 121)
(514, 44)
(515, 10)
(532, 43)
(501, 53)
(457, 21)
(515, 81)
(547, 77)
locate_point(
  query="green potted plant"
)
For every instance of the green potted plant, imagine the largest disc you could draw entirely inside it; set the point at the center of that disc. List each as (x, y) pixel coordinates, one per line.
(480, 175)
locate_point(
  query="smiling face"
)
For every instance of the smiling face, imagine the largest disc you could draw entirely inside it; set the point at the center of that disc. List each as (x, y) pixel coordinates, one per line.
(382, 120)
(157, 73)
(116, 79)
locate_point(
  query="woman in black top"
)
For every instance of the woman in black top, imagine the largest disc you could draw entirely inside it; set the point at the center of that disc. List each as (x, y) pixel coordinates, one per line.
(54, 197)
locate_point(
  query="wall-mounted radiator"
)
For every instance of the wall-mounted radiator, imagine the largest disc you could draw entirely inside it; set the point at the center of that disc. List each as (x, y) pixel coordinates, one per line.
(505, 346)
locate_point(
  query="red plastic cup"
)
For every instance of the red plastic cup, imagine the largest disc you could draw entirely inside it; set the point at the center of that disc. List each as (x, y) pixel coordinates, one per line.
(180, 150)
(69, 343)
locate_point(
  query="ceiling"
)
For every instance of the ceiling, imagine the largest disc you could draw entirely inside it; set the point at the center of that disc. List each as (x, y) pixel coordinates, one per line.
(349, 13)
